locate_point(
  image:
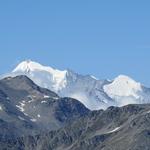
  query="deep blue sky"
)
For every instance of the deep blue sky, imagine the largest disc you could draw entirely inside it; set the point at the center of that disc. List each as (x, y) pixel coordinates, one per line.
(100, 37)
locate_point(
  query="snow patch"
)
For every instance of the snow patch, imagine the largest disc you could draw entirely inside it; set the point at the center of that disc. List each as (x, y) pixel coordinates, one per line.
(21, 106)
(94, 77)
(55, 97)
(32, 98)
(43, 102)
(30, 101)
(25, 114)
(1, 108)
(114, 130)
(46, 96)
(148, 112)
(33, 120)
(38, 115)
(21, 118)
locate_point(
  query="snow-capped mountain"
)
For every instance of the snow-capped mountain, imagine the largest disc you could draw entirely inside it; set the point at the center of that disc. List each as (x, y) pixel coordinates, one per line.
(92, 92)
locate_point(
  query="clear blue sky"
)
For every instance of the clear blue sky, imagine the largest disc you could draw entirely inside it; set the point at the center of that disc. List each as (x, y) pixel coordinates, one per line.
(100, 37)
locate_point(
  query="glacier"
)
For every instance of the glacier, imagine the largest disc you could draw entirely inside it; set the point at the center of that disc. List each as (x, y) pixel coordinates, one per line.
(95, 94)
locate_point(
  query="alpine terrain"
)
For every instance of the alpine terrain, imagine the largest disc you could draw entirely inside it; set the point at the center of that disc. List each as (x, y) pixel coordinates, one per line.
(95, 94)
(42, 108)
(35, 118)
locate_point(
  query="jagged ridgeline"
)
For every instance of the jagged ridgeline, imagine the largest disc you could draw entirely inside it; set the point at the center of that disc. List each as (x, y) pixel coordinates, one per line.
(95, 94)
(35, 118)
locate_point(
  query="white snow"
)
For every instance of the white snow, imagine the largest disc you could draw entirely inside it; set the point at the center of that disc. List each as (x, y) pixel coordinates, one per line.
(92, 92)
(43, 102)
(30, 101)
(46, 96)
(55, 97)
(123, 86)
(21, 106)
(25, 114)
(33, 120)
(114, 130)
(21, 118)
(32, 98)
(148, 112)
(36, 71)
(1, 108)
(27, 66)
(94, 77)
(38, 115)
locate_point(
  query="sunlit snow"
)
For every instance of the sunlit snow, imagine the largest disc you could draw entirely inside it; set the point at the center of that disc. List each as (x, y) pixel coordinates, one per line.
(43, 102)
(92, 92)
(46, 96)
(114, 130)
(33, 120)
(21, 118)
(1, 108)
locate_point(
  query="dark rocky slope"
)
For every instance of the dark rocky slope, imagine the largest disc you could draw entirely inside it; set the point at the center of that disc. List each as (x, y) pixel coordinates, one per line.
(25, 108)
(64, 123)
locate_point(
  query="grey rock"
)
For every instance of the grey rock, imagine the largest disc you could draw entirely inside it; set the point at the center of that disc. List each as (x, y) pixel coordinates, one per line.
(65, 123)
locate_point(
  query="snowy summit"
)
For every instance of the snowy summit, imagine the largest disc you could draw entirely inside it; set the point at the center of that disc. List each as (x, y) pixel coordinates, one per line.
(123, 86)
(38, 71)
(92, 92)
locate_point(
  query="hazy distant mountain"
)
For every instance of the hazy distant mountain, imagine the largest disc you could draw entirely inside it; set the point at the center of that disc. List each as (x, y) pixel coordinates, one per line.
(93, 93)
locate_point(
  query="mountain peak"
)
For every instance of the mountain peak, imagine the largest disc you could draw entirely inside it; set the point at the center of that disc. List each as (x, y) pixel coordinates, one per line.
(42, 74)
(28, 65)
(122, 77)
(126, 81)
(123, 86)
(92, 92)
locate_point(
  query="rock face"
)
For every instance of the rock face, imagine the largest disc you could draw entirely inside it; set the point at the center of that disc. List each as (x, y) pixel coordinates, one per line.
(95, 94)
(35, 118)
(126, 128)
(25, 108)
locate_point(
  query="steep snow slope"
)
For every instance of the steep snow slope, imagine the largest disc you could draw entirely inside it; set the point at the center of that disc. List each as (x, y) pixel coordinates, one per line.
(44, 76)
(92, 92)
(123, 86)
(125, 90)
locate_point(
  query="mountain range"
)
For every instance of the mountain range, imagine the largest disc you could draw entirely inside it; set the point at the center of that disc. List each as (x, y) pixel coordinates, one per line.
(39, 111)
(95, 94)
(35, 118)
